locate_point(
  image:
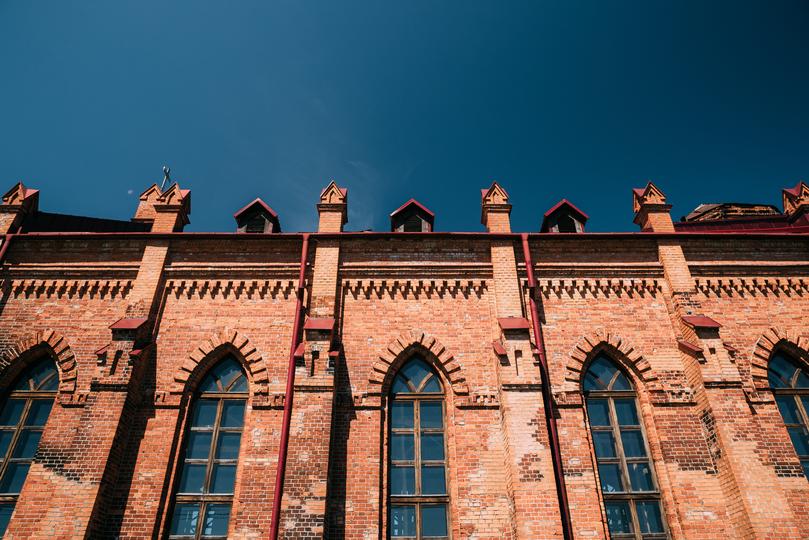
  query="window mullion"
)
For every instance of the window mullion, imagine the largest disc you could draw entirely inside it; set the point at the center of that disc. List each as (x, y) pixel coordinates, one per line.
(801, 410)
(417, 449)
(619, 446)
(211, 451)
(15, 437)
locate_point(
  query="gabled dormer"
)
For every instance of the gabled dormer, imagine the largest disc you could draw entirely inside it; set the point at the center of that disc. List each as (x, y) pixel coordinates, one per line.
(564, 217)
(412, 216)
(257, 217)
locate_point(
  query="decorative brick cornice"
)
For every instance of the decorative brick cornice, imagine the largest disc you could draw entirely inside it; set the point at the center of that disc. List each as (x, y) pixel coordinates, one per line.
(71, 288)
(789, 340)
(206, 354)
(416, 287)
(751, 285)
(235, 288)
(400, 350)
(57, 345)
(598, 287)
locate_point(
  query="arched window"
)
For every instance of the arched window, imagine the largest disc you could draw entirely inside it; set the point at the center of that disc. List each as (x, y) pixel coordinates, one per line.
(22, 419)
(628, 484)
(790, 385)
(418, 463)
(207, 471)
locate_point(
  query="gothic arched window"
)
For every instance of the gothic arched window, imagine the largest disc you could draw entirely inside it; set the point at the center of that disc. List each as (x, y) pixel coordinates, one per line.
(628, 483)
(790, 385)
(22, 419)
(207, 471)
(418, 465)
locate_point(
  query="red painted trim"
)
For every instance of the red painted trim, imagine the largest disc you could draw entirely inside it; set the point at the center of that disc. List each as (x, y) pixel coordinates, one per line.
(4, 247)
(499, 350)
(689, 348)
(513, 323)
(128, 324)
(565, 202)
(323, 324)
(414, 202)
(547, 400)
(700, 321)
(249, 205)
(299, 350)
(283, 448)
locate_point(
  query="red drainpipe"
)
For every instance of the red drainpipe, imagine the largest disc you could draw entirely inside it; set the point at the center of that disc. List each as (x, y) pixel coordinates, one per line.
(4, 247)
(547, 400)
(282, 451)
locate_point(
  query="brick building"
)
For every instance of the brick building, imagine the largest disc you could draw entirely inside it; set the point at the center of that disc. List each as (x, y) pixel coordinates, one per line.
(651, 384)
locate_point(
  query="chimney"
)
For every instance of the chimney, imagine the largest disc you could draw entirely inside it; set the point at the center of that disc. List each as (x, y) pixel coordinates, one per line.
(652, 213)
(18, 202)
(332, 209)
(796, 202)
(166, 211)
(495, 210)
(412, 216)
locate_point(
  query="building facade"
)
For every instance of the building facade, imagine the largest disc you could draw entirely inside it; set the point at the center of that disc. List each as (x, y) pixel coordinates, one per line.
(365, 385)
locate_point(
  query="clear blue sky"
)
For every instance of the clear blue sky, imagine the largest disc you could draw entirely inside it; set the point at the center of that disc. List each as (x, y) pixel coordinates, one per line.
(424, 99)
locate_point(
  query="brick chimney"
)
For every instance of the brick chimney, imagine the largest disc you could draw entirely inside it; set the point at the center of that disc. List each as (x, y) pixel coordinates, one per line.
(166, 211)
(796, 202)
(332, 209)
(652, 213)
(16, 204)
(495, 210)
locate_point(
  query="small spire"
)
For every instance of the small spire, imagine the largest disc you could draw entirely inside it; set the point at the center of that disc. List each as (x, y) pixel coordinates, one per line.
(166, 177)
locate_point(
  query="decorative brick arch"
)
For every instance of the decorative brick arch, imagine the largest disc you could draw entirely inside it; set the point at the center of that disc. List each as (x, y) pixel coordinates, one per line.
(399, 350)
(204, 355)
(773, 339)
(621, 351)
(56, 345)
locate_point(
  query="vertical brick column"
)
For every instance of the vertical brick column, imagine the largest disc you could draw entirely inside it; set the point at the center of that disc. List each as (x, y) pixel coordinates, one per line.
(73, 494)
(303, 508)
(15, 205)
(753, 504)
(529, 471)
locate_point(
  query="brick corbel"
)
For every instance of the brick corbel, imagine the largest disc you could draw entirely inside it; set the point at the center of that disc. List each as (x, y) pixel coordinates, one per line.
(57, 345)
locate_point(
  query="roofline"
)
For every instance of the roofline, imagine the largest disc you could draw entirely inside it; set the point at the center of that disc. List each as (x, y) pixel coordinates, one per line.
(565, 202)
(258, 201)
(408, 203)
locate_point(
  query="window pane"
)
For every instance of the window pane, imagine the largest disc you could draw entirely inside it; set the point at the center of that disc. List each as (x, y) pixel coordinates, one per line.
(233, 413)
(40, 371)
(403, 521)
(432, 446)
(610, 477)
(805, 465)
(434, 520)
(626, 412)
(239, 385)
(799, 440)
(598, 412)
(802, 380)
(402, 447)
(199, 444)
(433, 481)
(38, 414)
(604, 444)
(432, 385)
(10, 416)
(640, 475)
(632, 440)
(5, 440)
(184, 520)
(5, 516)
(431, 414)
(402, 480)
(204, 413)
(14, 477)
(400, 385)
(805, 401)
(649, 517)
(780, 371)
(228, 446)
(618, 519)
(789, 409)
(599, 374)
(216, 520)
(192, 478)
(415, 370)
(27, 444)
(224, 477)
(621, 383)
(402, 414)
(228, 371)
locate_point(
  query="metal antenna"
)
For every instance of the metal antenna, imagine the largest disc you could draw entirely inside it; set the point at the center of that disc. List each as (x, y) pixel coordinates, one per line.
(166, 177)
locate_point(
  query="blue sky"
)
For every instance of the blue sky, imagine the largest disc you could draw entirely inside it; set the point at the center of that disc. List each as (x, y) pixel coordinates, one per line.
(424, 99)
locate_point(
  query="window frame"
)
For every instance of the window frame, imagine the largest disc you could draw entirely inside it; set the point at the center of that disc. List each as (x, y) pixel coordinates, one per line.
(416, 396)
(614, 427)
(796, 393)
(204, 499)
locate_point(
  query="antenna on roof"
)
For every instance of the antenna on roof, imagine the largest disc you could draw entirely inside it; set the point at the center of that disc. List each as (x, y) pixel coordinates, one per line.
(166, 177)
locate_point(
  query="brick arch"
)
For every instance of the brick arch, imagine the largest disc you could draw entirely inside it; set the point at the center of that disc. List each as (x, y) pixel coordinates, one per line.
(770, 341)
(619, 349)
(209, 351)
(402, 348)
(56, 345)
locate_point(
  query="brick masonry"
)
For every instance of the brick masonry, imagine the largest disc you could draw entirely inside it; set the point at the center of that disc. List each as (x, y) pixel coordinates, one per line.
(107, 462)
